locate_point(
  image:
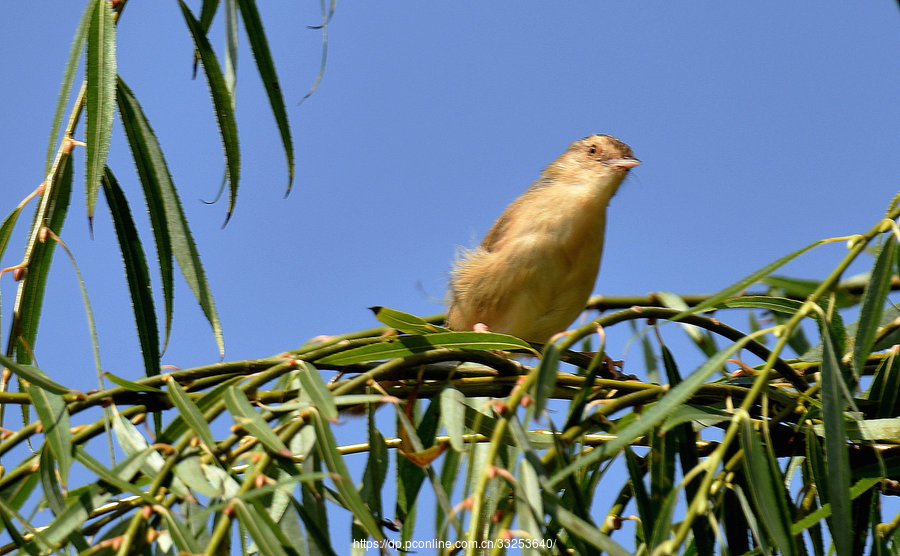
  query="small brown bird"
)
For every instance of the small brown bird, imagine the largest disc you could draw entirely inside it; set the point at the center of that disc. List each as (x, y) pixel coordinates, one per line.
(535, 269)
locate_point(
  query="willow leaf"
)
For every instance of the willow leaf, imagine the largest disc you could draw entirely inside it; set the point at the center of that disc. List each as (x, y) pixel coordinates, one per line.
(836, 457)
(136, 273)
(68, 78)
(748, 280)
(31, 298)
(170, 226)
(655, 414)
(223, 103)
(259, 44)
(101, 91)
(873, 304)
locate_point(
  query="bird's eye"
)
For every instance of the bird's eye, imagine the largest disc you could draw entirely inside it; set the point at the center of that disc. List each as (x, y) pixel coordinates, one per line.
(593, 149)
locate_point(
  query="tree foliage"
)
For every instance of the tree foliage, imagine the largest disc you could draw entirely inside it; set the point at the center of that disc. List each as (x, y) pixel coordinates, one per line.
(794, 454)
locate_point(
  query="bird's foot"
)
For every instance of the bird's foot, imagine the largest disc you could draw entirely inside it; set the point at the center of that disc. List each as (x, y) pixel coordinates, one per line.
(613, 367)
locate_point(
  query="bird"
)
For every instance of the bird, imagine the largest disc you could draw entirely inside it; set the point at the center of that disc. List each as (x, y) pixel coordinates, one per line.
(535, 269)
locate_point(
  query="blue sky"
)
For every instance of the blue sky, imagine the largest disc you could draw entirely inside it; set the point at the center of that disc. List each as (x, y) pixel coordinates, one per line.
(761, 128)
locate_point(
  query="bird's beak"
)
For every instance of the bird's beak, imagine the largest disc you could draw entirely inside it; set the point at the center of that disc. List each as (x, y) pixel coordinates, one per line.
(623, 163)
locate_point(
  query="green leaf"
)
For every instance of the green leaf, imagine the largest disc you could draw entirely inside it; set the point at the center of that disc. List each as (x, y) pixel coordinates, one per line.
(53, 494)
(814, 518)
(222, 102)
(231, 47)
(62, 99)
(136, 273)
(582, 529)
(376, 470)
(79, 507)
(687, 413)
(868, 429)
(404, 322)
(249, 419)
(314, 385)
(776, 304)
(334, 461)
(179, 532)
(265, 533)
(101, 90)
(27, 312)
(54, 416)
(546, 379)
(110, 477)
(646, 511)
(801, 289)
(663, 525)
(655, 414)
(744, 282)
(873, 304)
(133, 443)
(688, 456)
(39, 545)
(190, 412)
(179, 424)
(453, 416)
(403, 346)
(33, 375)
(133, 386)
(17, 494)
(157, 185)
(260, 47)
(885, 390)
(766, 488)
(170, 227)
(836, 457)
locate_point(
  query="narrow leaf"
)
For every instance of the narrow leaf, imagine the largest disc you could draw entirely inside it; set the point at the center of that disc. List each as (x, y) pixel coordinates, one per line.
(583, 530)
(179, 532)
(27, 311)
(453, 416)
(136, 273)
(836, 457)
(110, 477)
(873, 304)
(404, 322)
(190, 412)
(886, 387)
(655, 414)
(54, 416)
(546, 379)
(265, 533)
(156, 182)
(748, 280)
(259, 44)
(129, 385)
(170, 226)
(231, 48)
(314, 385)
(249, 419)
(179, 425)
(65, 90)
(101, 90)
(766, 488)
(334, 461)
(222, 102)
(88, 499)
(33, 375)
(777, 304)
(402, 346)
